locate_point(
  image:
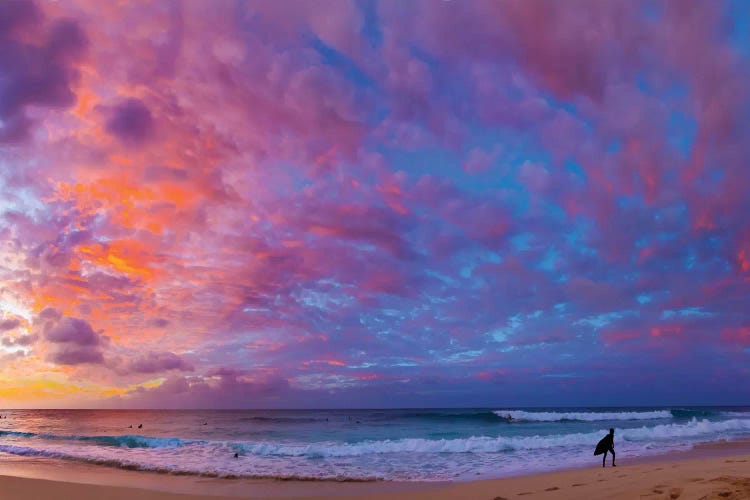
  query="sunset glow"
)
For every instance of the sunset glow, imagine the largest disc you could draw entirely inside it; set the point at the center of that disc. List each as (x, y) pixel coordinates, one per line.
(222, 204)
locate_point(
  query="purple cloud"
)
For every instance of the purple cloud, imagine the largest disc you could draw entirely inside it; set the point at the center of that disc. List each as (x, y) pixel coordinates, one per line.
(156, 362)
(71, 330)
(75, 355)
(71, 341)
(130, 121)
(23, 340)
(229, 391)
(35, 74)
(9, 324)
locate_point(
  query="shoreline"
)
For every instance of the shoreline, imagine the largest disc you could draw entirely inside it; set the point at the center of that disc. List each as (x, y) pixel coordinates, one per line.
(24, 478)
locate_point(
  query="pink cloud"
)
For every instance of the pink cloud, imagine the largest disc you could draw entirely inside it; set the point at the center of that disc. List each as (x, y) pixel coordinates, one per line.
(739, 335)
(479, 160)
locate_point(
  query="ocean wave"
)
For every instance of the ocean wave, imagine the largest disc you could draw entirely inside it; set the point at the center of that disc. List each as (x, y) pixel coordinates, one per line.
(477, 444)
(282, 420)
(688, 413)
(483, 444)
(125, 441)
(586, 416)
(693, 428)
(17, 434)
(476, 416)
(741, 414)
(176, 470)
(131, 441)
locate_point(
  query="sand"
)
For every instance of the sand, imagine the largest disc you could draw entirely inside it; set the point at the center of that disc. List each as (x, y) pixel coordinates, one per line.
(721, 473)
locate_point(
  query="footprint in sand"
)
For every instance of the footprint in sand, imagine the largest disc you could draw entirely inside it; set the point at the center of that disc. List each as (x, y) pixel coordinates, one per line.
(553, 488)
(499, 498)
(675, 493)
(526, 493)
(578, 484)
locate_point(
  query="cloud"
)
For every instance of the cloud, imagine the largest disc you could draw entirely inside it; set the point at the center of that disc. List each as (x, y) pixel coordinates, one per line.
(22, 340)
(479, 160)
(156, 362)
(67, 354)
(9, 324)
(35, 74)
(223, 389)
(130, 121)
(739, 335)
(71, 341)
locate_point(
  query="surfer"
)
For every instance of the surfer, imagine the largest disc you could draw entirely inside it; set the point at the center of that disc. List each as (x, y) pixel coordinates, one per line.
(607, 444)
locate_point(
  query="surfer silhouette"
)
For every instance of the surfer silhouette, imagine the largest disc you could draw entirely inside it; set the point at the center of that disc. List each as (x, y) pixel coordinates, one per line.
(607, 444)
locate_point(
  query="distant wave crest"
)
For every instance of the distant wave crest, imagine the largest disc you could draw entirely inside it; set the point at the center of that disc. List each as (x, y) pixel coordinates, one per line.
(281, 420)
(587, 416)
(741, 414)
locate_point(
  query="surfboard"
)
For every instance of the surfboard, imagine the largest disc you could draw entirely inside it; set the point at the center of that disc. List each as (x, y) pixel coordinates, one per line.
(602, 446)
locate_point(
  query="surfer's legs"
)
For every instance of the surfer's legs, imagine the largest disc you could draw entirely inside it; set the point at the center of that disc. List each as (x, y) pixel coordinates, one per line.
(612, 451)
(604, 458)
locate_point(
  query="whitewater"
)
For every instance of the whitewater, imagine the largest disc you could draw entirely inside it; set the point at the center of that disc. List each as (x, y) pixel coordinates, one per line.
(360, 445)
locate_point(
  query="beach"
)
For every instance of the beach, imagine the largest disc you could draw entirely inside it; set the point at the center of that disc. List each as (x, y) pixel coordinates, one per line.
(711, 471)
(375, 454)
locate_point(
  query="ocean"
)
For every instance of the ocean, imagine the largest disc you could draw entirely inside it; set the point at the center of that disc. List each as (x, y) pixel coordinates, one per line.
(361, 445)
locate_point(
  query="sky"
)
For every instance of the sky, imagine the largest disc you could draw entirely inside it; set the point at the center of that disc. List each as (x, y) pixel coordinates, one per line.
(293, 204)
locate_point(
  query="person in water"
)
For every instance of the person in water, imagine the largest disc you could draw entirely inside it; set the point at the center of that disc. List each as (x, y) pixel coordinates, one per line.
(608, 445)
